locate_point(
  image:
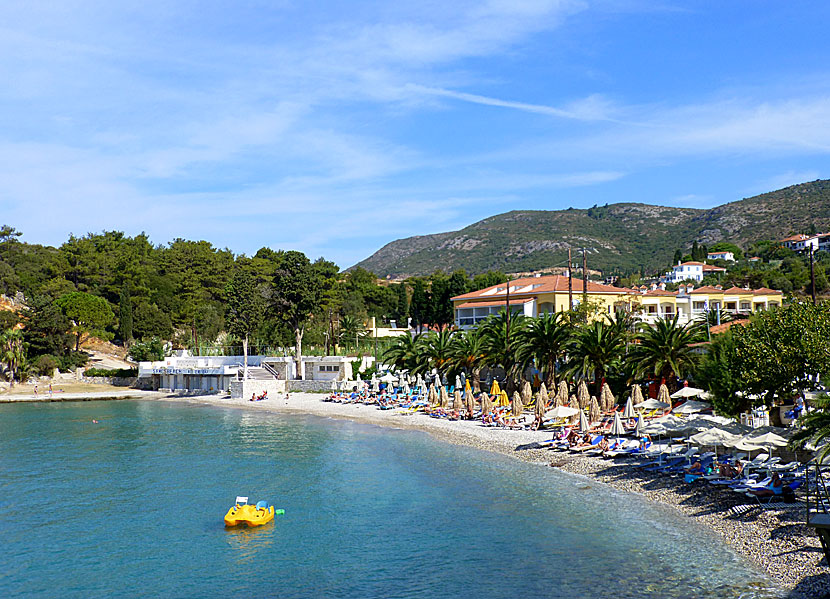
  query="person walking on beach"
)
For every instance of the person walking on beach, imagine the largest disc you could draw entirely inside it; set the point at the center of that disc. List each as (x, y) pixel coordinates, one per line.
(35, 390)
(50, 389)
(286, 398)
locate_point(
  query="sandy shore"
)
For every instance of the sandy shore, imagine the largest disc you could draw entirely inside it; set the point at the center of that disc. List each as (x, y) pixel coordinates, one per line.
(777, 540)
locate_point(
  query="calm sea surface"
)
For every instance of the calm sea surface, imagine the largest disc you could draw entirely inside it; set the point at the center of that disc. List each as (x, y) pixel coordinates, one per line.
(133, 506)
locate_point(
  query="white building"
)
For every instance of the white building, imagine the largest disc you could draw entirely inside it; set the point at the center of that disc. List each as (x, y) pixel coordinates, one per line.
(690, 271)
(728, 256)
(803, 243)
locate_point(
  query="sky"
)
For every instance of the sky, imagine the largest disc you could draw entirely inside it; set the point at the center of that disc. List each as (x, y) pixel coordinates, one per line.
(336, 127)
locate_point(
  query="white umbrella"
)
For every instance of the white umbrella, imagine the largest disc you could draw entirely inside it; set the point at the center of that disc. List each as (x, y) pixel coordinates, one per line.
(692, 407)
(767, 440)
(334, 385)
(388, 378)
(714, 436)
(652, 404)
(629, 410)
(617, 428)
(583, 422)
(640, 426)
(458, 384)
(561, 412)
(687, 392)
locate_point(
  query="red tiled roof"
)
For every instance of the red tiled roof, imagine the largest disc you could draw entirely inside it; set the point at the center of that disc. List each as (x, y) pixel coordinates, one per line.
(547, 284)
(766, 291)
(707, 289)
(720, 328)
(799, 237)
(711, 267)
(660, 292)
(492, 304)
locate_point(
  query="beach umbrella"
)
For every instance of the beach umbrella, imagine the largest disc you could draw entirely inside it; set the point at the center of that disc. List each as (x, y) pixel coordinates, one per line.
(334, 385)
(629, 410)
(542, 387)
(583, 423)
(516, 404)
(640, 426)
(358, 379)
(539, 407)
(457, 401)
(503, 399)
(527, 393)
(458, 382)
(445, 398)
(486, 404)
(562, 394)
(470, 402)
(594, 413)
(563, 412)
(617, 428)
(406, 390)
(686, 392)
(636, 395)
(692, 407)
(582, 395)
(467, 388)
(767, 440)
(663, 395)
(608, 397)
(495, 389)
(714, 436)
(574, 405)
(542, 396)
(432, 395)
(653, 404)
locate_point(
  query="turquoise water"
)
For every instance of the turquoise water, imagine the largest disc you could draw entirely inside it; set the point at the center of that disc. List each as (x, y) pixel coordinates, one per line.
(133, 506)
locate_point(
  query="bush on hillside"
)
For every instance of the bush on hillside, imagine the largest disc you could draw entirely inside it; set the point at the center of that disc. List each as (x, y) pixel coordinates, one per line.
(45, 365)
(111, 372)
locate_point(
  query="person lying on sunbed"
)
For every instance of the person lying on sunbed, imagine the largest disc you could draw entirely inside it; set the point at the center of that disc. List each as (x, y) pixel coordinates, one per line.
(604, 445)
(730, 471)
(573, 438)
(775, 487)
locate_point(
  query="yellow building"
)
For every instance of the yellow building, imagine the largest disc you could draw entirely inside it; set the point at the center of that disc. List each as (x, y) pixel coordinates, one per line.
(537, 295)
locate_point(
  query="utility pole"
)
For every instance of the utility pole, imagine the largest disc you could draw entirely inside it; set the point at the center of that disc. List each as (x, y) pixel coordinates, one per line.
(584, 277)
(507, 304)
(570, 283)
(812, 275)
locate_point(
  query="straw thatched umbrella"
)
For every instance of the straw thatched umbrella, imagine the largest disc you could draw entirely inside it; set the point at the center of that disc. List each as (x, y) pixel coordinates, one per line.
(432, 395)
(610, 400)
(469, 402)
(445, 397)
(562, 394)
(542, 397)
(636, 395)
(486, 404)
(582, 395)
(516, 404)
(663, 395)
(527, 393)
(594, 413)
(574, 403)
(457, 401)
(541, 407)
(542, 387)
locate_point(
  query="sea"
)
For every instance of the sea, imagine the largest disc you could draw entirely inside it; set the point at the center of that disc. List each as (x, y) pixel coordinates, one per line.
(132, 506)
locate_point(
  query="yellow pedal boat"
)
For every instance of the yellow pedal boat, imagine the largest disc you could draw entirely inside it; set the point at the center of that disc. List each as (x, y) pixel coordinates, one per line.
(252, 515)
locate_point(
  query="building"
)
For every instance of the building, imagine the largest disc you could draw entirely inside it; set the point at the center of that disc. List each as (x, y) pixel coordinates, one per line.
(803, 243)
(539, 295)
(216, 374)
(532, 296)
(690, 271)
(728, 256)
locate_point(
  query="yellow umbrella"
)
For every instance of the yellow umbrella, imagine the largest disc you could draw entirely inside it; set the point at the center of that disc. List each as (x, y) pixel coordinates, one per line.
(495, 389)
(503, 399)
(467, 388)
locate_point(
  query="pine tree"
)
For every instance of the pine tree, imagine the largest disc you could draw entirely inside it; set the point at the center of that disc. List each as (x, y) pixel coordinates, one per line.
(125, 315)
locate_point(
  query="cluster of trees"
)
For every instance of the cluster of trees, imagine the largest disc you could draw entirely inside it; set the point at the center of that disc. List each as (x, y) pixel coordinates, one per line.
(597, 349)
(186, 293)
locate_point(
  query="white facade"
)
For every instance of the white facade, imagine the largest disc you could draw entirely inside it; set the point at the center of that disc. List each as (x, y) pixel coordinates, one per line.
(683, 272)
(728, 256)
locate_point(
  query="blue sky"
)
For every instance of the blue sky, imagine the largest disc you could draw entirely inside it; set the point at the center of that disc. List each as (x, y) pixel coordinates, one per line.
(336, 127)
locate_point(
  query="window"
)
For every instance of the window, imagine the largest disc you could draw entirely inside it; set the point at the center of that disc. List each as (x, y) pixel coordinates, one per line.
(699, 306)
(745, 306)
(652, 309)
(327, 368)
(546, 308)
(668, 309)
(731, 305)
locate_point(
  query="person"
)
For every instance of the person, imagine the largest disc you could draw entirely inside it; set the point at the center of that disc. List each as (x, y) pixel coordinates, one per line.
(775, 487)
(253, 397)
(286, 398)
(604, 444)
(50, 389)
(35, 390)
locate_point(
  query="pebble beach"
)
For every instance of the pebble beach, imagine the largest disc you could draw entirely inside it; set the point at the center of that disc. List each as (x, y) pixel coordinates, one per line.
(777, 540)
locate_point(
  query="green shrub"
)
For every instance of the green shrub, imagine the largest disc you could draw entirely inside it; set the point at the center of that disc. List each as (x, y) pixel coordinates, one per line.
(45, 365)
(114, 372)
(147, 351)
(73, 360)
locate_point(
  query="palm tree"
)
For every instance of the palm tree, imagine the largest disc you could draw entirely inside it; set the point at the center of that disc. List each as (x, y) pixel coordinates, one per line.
(12, 354)
(350, 329)
(437, 346)
(714, 317)
(467, 353)
(501, 334)
(814, 427)
(406, 353)
(665, 350)
(546, 340)
(598, 348)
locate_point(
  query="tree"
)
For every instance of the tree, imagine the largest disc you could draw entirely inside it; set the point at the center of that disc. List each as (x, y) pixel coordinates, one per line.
(125, 315)
(665, 350)
(467, 352)
(151, 321)
(814, 428)
(597, 349)
(437, 346)
(717, 373)
(46, 328)
(780, 352)
(501, 333)
(405, 352)
(402, 308)
(89, 314)
(296, 294)
(350, 330)
(678, 257)
(546, 339)
(12, 354)
(244, 310)
(419, 307)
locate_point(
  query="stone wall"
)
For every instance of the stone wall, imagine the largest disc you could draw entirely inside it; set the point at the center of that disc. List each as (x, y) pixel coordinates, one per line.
(306, 386)
(116, 381)
(274, 387)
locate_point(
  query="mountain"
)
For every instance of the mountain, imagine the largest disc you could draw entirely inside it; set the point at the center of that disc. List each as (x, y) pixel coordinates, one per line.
(618, 237)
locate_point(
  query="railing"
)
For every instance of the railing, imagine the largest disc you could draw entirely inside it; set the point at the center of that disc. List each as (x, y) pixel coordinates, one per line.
(818, 504)
(271, 369)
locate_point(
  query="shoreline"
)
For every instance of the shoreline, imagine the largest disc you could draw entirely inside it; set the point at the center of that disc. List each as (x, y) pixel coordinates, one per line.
(45, 397)
(777, 541)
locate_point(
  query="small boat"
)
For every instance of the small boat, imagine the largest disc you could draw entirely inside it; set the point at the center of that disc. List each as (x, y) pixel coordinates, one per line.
(252, 515)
